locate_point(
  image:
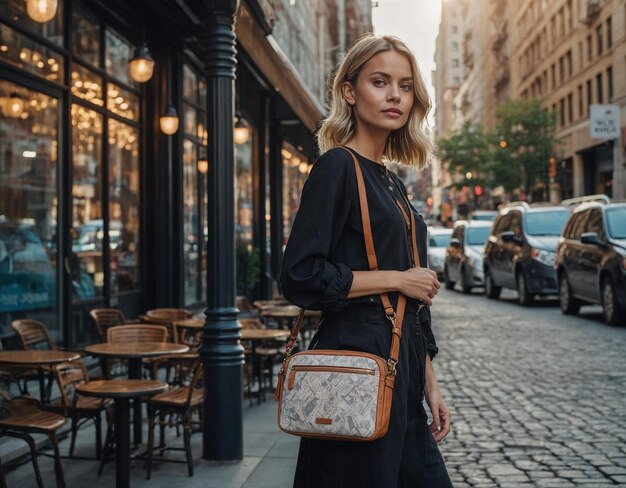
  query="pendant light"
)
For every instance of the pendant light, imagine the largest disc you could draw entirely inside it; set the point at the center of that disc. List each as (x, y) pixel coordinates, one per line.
(41, 10)
(203, 165)
(169, 120)
(14, 106)
(241, 132)
(142, 64)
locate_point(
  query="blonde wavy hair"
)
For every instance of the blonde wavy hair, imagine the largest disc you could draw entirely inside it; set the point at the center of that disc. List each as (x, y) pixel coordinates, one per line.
(408, 145)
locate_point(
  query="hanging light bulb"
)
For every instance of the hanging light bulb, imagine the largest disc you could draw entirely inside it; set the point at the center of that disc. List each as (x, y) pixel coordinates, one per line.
(14, 106)
(142, 64)
(42, 10)
(203, 165)
(241, 132)
(169, 121)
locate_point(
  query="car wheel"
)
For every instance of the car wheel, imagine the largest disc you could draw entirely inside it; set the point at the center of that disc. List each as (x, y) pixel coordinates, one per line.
(491, 290)
(569, 304)
(467, 286)
(613, 313)
(449, 284)
(524, 297)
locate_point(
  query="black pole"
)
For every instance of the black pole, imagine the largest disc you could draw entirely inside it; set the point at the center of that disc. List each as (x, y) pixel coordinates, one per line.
(221, 353)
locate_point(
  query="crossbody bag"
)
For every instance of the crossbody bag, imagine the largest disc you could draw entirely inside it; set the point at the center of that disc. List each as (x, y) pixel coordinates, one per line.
(339, 394)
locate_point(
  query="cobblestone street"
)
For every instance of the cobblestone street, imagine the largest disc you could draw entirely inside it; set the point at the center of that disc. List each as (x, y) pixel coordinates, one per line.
(537, 399)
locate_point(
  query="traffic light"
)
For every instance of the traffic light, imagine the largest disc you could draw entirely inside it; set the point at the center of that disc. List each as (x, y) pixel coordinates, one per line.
(478, 190)
(552, 171)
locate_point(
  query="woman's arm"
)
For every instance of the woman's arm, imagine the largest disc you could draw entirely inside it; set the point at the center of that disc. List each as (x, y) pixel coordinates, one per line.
(418, 283)
(440, 426)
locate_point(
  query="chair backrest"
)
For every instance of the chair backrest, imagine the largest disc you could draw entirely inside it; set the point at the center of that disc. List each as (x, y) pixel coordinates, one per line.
(186, 335)
(195, 387)
(137, 333)
(68, 376)
(32, 333)
(251, 324)
(169, 314)
(244, 305)
(103, 318)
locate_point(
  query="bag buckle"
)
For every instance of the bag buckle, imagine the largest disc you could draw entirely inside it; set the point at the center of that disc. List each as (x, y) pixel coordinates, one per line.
(391, 316)
(391, 367)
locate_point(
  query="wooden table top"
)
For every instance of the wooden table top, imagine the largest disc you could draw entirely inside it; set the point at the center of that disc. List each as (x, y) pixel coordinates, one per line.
(135, 349)
(121, 388)
(263, 334)
(190, 323)
(37, 357)
(289, 312)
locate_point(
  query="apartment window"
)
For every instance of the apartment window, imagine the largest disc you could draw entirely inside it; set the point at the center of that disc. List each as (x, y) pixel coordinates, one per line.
(570, 108)
(545, 79)
(599, 87)
(580, 101)
(553, 68)
(589, 93)
(589, 49)
(562, 112)
(553, 30)
(455, 46)
(561, 70)
(456, 80)
(454, 29)
(581, 61)
(455, 63)
(609, 33)
(599, 35)
(609, 81)
(561, 23)
(569, 63)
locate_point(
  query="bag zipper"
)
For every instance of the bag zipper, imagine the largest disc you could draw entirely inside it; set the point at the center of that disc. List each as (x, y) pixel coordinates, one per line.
(326, 369)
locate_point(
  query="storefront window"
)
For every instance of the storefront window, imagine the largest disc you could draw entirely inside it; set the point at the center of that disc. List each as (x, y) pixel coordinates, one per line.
(122, 102)
(244, 213)
(195, 198)
(295, 172)
(124, 205)
(28, 206)
(87, 85)
(51, 30)
(117, 55)
(86, 260)
(86, 39)
(29, 55)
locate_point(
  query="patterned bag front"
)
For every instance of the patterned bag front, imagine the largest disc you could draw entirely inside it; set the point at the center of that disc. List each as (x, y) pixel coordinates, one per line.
(334, 394)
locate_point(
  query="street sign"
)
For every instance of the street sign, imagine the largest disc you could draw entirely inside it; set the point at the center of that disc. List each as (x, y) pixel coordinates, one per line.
(604, 121)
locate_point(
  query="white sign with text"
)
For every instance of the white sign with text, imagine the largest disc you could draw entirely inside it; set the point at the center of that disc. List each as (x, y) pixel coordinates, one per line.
(604, 121)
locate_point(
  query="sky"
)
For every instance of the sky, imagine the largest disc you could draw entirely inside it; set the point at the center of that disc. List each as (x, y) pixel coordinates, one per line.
(416, 22)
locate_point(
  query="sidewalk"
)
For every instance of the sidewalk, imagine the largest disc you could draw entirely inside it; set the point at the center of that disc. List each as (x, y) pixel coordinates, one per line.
(269, 460)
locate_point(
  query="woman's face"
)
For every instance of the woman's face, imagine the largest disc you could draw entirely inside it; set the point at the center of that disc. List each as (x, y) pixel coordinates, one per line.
(383, 94)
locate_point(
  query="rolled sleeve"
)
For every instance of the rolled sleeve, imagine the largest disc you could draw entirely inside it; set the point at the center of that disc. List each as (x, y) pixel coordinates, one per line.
(308, 277)
(425, 322)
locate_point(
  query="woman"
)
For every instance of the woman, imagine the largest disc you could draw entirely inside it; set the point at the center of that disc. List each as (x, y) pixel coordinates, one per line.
(378, 105)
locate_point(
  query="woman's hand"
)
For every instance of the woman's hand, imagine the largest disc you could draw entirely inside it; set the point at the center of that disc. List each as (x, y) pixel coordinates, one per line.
(419, 283)
(440, 426)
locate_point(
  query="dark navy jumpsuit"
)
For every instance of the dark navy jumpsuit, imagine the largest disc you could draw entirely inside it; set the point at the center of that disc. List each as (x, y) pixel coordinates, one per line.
(325, 245)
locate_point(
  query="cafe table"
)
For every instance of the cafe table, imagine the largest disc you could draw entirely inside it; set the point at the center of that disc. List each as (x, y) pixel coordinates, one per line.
(286, 316)
(122, 391)
(134, 352)
(37, 359)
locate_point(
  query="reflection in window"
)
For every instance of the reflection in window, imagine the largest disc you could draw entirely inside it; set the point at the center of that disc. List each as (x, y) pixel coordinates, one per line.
(86, 261)
(28, 207)
(86, 85)
(191, 220)
(295, 172)
(190, 84)
(243, 190)
(190, 120)
(86, 39)
(117, 55)
(124, 212)
(51, 30)
(122, 102)
(27, 54)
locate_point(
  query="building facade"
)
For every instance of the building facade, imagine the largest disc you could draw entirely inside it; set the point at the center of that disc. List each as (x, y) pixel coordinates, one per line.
(572, 54)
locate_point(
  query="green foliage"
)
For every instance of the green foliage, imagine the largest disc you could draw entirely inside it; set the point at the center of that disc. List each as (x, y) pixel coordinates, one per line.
(515, 155)
(248, 266)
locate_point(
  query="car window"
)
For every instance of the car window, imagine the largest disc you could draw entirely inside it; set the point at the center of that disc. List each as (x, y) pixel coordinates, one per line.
(548, 223)
(616, 222)
(476, 236)
(579, 226)
(594, 223)
(439, 240)
(502, 224)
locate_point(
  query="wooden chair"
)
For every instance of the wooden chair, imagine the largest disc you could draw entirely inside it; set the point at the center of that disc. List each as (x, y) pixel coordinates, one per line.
(137, 333)
(266, 354)
(23, 417)
(80, 409)
(179, 403)
(166, 317)
(103, 318)
(246, 309)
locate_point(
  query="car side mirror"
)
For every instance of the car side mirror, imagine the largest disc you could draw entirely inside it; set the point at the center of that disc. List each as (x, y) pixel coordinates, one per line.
(508, 236)
(591, 238)
(455, 242)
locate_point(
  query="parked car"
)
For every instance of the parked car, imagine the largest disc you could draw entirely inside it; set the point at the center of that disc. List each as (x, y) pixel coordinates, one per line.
(520, 251)
(591, 260)
(438, 239)
(489, 215)
(464, 255)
